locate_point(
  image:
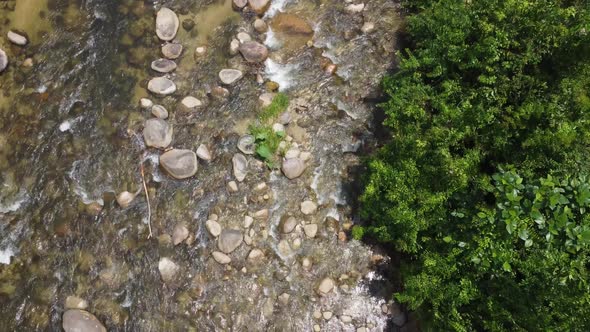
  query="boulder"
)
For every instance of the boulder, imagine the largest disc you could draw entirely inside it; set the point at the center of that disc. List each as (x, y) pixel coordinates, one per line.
(161, 86)
(229, 240)
(308, 207)
(75, 320)
(163, 65)
(157, 133)
(179, 234)
(230, 76)
(253, 51)
(355, 8)
(259, 6)
(290, 24)
(239, 4)
(167, 24)
(203, 152)
(168, 269)
(266, 98)
(287, 224)
(243, 37)
(172, 50)
(181, 164)
(17, 38)
(146, 103)
(3, 60)
(190, 103)
(240, 166)
(247, 144)
(260, 26)
(293, 168)
(213, 227)
(221, 258)
(159, 112)
(310, 230)
(326, 286)
(234, 47)
(255, 256)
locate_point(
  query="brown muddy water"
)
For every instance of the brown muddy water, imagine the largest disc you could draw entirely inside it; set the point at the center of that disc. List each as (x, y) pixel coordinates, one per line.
(70, 140)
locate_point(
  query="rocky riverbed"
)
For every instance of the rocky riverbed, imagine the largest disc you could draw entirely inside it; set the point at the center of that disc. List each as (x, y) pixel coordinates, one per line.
(132, 198)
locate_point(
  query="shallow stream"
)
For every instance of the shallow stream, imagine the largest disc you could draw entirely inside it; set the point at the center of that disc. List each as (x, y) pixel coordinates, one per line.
(70, 140)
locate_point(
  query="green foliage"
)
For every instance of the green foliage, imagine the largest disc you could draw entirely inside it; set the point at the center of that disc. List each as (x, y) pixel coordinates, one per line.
(267, 141)
(489, 86)
(358, 232)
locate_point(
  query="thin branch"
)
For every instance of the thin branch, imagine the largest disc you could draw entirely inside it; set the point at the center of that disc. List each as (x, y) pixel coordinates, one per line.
(147, 198)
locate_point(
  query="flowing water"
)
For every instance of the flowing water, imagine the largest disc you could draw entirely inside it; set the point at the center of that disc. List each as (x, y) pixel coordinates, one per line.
(70, 139)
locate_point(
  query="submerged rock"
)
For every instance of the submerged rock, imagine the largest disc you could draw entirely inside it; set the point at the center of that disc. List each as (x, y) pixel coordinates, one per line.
(240, 166)
(167, 24)
(17, 38)
(168, 269)
(74, 302)
(3, 60)
(246, 144)
(172, 50)
(291, 24)
(259, 6)
(230, 76)
(253, 51)
(157, 133)
(293, 168)
(163, 65)
(125, 198)
(229, 240)
(75, 320)
(181, 164)
(161, 86)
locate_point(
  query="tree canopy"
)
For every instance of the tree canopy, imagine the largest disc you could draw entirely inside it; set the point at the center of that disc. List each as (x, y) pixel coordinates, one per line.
(484, 183)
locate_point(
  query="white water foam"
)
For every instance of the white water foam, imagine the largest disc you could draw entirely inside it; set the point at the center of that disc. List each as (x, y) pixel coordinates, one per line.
(276, 6)
(283, 74)
(13, 206)
(5, 255)
(271, 41)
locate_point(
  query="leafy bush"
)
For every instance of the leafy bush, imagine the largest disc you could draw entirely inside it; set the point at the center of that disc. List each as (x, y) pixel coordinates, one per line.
(488, 86)
(267, 140)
